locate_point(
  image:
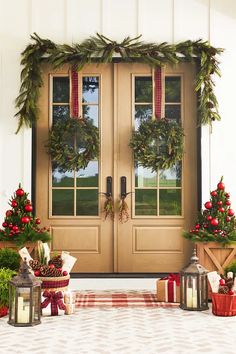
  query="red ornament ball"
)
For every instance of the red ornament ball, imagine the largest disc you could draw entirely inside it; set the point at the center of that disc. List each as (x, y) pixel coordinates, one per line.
(228, 202)
(9, 213)
(228, 219)
(231, 292)
(208, 205)
(214, 193)
(20, 192)
(219, 203)
(15, 228)
(10, 225)
(227, 195)
(37, 221)
(221, 210)
(14, 204)
(209, 218)
(197, 226)
(221, 186)
(4, 224)
(51, 266)
(214, 222)
(28, 208)
(25, 220)
(65, 273)
(222, 281)
(231, 212)
(37, 273)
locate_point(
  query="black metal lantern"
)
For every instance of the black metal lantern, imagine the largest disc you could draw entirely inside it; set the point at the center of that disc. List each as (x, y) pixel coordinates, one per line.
(24, 298)
(194, 286)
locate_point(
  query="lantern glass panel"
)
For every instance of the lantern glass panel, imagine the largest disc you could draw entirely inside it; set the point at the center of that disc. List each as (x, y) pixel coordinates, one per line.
(36, 309)
(23, 305)
(12, 308)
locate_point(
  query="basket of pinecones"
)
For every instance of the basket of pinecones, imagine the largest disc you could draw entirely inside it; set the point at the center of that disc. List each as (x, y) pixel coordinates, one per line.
(224, 302)
(51, 274)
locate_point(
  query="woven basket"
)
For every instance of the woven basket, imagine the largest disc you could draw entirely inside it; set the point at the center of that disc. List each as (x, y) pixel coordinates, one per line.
(55, 283)
(223, 304)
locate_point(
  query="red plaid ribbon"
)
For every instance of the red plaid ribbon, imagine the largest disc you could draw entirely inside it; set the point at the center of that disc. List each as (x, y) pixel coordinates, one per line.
(158, 93)
(74, 110)
(55, 299)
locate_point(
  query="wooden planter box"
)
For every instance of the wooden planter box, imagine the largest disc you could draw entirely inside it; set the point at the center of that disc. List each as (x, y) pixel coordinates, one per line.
(31, 246)
(214, 256)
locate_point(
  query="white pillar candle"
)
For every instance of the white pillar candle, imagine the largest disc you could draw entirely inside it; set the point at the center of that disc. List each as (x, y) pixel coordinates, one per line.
(194, 298)
(189, 297)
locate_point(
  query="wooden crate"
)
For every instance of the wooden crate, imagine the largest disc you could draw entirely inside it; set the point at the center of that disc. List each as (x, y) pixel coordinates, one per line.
(31, 246)
(214, 256)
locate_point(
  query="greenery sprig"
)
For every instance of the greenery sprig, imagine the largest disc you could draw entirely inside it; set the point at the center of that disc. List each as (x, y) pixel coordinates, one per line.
(102, 50)
(158, 144)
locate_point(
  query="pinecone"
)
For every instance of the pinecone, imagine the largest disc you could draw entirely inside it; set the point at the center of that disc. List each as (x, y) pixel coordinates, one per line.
(229, 283)
(57, 261)
(34, 264)
(223, 289)
(47, 271)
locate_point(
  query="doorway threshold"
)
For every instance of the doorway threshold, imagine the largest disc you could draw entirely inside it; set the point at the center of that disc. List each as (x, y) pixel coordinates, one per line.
(118, 275)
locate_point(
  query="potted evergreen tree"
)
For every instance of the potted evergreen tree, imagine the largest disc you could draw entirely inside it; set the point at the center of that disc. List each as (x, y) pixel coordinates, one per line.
(215, 231)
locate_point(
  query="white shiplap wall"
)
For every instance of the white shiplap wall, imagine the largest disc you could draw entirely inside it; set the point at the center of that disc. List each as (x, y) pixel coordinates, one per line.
(74, 20)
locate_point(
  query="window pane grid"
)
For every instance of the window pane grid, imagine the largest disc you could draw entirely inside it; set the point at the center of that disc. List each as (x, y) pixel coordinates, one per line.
(168, 185)
(75, 193)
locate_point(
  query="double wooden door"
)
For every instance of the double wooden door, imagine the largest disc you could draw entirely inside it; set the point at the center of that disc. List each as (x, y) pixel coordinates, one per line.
(117, 97)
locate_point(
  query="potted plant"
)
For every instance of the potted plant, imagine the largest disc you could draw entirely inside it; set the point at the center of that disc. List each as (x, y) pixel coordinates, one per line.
(20, 226)
(5, 275)
(215, 231)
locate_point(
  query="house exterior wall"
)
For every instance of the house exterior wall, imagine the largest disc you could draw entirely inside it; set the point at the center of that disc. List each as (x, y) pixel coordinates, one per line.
(157, 20)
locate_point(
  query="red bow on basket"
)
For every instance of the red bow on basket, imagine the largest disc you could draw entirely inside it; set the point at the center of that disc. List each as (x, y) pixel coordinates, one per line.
(55, 299)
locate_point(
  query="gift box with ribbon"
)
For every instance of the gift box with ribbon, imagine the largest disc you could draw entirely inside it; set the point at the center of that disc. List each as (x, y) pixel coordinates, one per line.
(168, 288)
(55, 299)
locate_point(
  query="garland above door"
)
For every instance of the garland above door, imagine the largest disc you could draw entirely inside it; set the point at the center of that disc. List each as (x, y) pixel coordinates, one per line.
(103, 50)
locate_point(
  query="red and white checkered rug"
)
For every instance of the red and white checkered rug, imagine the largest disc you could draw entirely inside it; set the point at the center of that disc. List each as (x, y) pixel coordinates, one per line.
(119, 299)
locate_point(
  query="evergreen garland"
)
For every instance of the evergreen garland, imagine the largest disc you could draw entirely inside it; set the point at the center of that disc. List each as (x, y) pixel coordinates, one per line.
(102, 50)
(158, 144)
(73, 143)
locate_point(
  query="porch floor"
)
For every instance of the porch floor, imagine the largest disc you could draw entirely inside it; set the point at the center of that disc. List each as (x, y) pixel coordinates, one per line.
(122, 330)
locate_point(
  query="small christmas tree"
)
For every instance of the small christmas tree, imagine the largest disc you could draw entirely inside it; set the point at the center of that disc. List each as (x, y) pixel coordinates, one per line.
(19, 224)
(217, 221)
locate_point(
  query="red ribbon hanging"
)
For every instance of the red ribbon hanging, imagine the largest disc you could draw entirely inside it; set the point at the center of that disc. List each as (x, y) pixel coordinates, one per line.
(74, 109)
(158, 92)
(55, 299)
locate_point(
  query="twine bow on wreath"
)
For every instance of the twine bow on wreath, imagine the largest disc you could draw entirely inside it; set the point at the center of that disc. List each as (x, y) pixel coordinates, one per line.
(72, 144)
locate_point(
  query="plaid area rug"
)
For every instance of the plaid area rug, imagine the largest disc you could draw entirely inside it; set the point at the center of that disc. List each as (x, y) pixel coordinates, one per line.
(119, 299)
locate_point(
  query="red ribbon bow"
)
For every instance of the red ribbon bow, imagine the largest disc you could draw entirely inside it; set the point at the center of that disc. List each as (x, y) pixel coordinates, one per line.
(55, 299)
(173, 277)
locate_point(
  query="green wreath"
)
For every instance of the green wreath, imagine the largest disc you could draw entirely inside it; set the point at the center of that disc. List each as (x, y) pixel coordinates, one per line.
(158, 144)
(72, 144)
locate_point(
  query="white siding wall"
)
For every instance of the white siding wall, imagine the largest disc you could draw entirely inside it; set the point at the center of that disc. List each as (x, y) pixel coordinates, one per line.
(157, 20)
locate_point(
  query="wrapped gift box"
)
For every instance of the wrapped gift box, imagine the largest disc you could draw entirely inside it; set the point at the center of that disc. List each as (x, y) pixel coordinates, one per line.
(168, 289)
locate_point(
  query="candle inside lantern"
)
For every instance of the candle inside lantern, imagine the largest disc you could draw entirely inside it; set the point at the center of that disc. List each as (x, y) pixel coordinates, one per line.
(189, 297)
(194, 294)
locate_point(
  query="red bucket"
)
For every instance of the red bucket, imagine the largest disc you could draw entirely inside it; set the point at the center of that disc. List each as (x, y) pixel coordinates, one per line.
(223, 304)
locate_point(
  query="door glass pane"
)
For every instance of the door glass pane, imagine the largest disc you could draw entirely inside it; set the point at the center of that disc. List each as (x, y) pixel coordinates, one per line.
(173, 112)
(60, 113)
(172, 89)
(171, 177)
(144, 177)
(61, 90)
(87, 202)
(88, 177)
(143, 89)
(142, 113)
(90, 89)
(146, 202)
(62, 179)
(170, 202)
(62, 202)
(91, 112)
